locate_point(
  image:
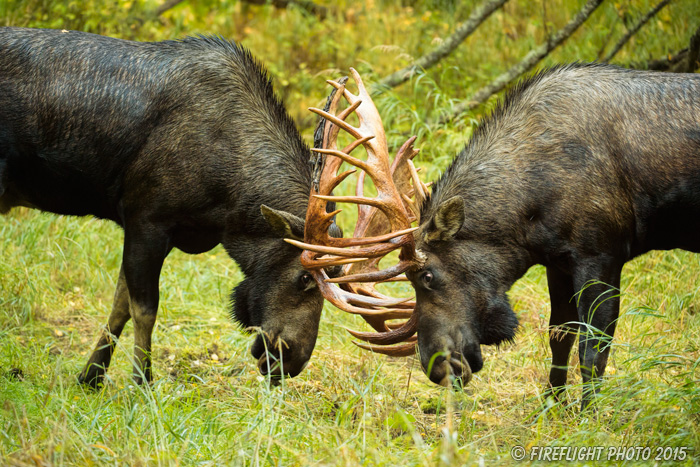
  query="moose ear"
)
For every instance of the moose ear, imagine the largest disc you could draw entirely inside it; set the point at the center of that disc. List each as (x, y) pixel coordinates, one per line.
(447, 221)
(284, 224)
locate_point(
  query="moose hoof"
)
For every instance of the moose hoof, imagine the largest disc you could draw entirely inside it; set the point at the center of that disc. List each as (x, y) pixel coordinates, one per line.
(557, 393)
(92, 377)
(141, 379)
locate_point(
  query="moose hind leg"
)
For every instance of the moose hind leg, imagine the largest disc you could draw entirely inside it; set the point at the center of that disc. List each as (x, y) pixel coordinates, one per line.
(94, 371)
(562, 331)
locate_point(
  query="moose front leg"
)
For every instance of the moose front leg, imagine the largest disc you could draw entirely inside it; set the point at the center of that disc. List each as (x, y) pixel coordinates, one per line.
(144, 253)
(95, 369)
(562, 331)
(597, 282)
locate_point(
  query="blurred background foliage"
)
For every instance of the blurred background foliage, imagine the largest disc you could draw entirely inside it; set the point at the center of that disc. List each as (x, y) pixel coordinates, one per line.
(349, 407)
(302, 46)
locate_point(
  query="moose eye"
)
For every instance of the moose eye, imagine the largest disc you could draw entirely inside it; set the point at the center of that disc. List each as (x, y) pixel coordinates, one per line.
(305, 280)
(426, 278)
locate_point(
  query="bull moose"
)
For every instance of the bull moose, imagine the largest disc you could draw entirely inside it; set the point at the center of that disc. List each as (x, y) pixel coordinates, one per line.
(183, 144)
(580, 168)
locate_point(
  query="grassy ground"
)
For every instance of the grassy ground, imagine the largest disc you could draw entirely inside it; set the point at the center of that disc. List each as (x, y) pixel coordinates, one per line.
(209, 406)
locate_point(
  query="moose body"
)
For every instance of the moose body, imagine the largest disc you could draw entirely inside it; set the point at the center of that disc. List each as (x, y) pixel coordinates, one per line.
(581, 168)
(178, 142)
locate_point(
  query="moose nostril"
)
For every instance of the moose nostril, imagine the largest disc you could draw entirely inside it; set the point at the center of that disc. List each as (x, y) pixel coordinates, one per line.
(457, 363)
(460, 368)
(258, 348)
(474, 360)
(262, 366)
(268, 364)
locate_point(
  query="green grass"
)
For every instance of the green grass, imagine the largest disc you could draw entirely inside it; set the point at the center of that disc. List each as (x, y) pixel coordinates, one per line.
(208, 405)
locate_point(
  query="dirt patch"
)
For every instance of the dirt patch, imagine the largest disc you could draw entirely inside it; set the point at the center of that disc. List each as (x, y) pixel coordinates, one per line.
(191, 364)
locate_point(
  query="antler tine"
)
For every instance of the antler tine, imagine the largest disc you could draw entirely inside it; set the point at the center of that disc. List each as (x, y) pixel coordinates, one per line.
(339, 179)
(420, 189)
(358, 242)
(404, 350)
(374, 276)
(373, 251)
(396, 279)
(384, 337)
(359, 304)
(346, 113)
(358, 142)
(372, 292)
(330, 261)
(394, 336)
(395, 325)
(341, 123)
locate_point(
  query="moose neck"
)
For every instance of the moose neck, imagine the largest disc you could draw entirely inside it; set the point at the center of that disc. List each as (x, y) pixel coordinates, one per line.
(276, 158)
(484, 177)
(488, 175)
(267, 162)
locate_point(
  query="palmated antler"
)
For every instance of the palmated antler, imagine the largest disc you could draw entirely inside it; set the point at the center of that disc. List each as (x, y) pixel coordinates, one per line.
(375, 234)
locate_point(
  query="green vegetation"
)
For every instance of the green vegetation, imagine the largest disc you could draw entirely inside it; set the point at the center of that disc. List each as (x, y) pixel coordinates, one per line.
(209, 406)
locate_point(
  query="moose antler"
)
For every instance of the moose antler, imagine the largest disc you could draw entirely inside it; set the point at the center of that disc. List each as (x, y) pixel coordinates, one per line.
(370, 223)
(384, 221)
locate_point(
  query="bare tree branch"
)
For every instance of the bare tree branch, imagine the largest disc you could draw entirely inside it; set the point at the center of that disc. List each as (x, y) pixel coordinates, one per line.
(527, 63)
(152, 15)
(165, 6)
(318, 10)
(644, 20)
(685, 61)
(464, 30)
(667, 63)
